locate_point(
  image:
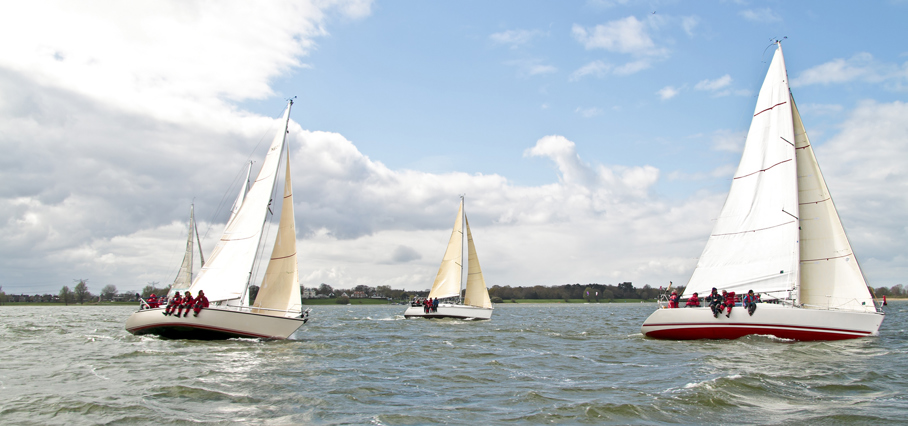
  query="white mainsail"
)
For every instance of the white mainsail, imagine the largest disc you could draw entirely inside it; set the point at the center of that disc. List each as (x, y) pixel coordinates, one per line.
(228, 271)
(779, 231)
(448, 280)
(830, 275)
(241, 196)
(754, 244)
(476, 294)
(279, 293)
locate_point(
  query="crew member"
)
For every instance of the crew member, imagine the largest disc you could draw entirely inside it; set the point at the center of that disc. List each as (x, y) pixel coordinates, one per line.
(693, 302)
(187, 304)
(673, 300)
(152, 301)
(715, 301)
(729, 302)
(750, 302)
(175, 301)
(200, 302)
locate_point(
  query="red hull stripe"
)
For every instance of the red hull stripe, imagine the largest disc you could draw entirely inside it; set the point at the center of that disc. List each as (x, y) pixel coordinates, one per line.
(740, 324)
(734, 331)
(202, 327)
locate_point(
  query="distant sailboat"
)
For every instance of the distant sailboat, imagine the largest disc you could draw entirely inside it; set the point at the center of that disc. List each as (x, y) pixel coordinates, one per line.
(184, 277)
(448, 284)
(276, 312)
(778, 234)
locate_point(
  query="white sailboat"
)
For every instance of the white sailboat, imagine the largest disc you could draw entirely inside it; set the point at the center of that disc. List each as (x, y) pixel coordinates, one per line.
(448, 284)
(778, 234)
(276, 312)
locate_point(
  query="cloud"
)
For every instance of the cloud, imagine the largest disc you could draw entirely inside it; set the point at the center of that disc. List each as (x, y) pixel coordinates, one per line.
(515, 38)
(628, 35)
(531, 67)
(595, 68)
(668, 92)
(588, 112)
(860, 67)
(713, 85)
(689, 23)
(728, 140)
(765, 15)
(403, 254)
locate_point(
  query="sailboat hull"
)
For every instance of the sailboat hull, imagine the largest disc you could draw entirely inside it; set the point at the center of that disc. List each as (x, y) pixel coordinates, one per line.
(450, 311)
(212, 324)
(781, 321)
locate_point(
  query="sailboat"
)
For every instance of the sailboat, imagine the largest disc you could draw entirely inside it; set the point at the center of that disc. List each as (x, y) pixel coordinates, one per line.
(184, 277)
(225, 278)
(448, 284)
(778, 234)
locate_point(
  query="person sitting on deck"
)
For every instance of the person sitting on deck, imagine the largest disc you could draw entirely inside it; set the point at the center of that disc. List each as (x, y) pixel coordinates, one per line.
(200, 302)
(425, 306)
(172, 304)
(715, 302)
(152, 301)
(693, 302)
(673, 300)
(729, 302)
(187, 304)
(750, 302)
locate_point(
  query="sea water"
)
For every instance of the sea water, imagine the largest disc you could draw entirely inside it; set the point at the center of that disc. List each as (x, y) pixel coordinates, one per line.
(546, 363)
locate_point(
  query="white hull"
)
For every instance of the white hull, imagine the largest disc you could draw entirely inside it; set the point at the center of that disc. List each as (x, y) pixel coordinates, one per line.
(212, 323)
(769, 319)
(446, 310)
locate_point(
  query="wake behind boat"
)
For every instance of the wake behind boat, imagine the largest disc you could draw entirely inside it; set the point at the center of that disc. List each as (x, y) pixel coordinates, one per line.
(476, 303)
(277, 310)
(778, 234)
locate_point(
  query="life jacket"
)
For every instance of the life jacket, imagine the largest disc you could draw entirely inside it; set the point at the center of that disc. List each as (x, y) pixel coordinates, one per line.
(730, 299)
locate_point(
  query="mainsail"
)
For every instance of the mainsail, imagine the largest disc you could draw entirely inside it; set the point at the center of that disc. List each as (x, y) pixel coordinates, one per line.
(448, 281)
(779, 231)
(229, 268)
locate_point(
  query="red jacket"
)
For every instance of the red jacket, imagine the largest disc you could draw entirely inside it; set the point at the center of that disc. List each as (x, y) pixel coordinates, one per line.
(201, 301)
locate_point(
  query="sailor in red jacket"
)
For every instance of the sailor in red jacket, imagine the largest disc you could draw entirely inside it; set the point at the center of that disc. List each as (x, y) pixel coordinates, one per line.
(200, 302)
(188, 301)
(693, 302)
(729, 302)
(152, 301)
(673, 300)
(175, 301)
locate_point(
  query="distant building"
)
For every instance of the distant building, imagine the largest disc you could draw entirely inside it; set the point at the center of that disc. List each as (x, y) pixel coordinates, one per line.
(359, 294)
(308, 293)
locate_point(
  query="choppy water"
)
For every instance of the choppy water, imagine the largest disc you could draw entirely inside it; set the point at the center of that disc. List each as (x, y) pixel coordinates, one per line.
(366, 364)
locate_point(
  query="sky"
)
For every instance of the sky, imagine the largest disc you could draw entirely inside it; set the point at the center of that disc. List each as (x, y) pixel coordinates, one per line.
(594, 141)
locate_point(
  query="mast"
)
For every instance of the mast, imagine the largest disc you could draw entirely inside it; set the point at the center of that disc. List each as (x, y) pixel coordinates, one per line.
(465, 266)
(194, 227)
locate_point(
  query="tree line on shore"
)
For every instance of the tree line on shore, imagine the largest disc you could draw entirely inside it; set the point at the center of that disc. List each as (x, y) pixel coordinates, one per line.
(589, 292)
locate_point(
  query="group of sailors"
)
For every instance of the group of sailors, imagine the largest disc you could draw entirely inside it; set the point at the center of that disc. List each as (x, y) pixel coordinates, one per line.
(429, 305)
(719, 303)
(177, 304)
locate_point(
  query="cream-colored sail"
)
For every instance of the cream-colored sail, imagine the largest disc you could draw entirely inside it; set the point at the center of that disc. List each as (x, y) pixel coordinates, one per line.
(830, 275)
(228, 271)
(754, 244)
(280, 289)
(476, 294)
(448, 281)
(184, 277)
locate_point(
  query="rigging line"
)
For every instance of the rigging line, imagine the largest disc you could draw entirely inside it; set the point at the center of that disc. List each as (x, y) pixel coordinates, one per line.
(786, 140)
(763, 170)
